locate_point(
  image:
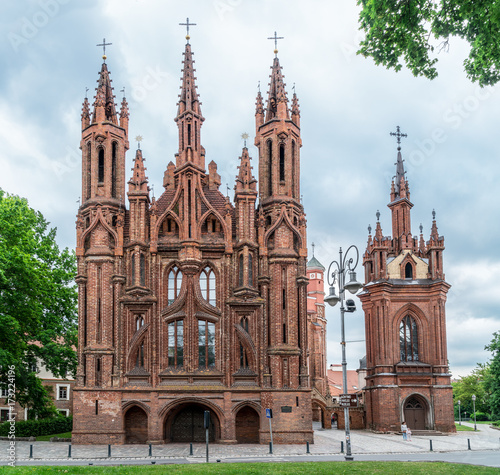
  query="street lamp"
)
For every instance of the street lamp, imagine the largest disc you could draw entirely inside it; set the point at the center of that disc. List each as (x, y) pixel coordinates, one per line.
(459, 418)
(474, 408)
(343, 266)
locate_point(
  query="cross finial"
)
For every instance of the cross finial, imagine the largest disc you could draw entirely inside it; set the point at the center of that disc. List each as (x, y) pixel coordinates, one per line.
(244, 136)
(187, 25)
(86, 90)
(398, 136)
(275, 38)
(227, 189)
(104, 44)
(293, 88)
(313, 245)
(139, 139)
(259, 87)
(123, 90)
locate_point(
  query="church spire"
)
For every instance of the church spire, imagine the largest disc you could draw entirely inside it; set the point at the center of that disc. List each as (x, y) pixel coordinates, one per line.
(245, 181)
(189, 118)
(139, 180)
(277, 102)
(104, 103)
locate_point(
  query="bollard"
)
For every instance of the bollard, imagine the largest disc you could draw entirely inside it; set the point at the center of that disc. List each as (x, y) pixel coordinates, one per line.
(150, 451)
(468, 443)
(31, 451)
(307, 448)
(270, 447)
(430, 443)
(109, 450)
(341, 446)
(69, 451)
(190, 449)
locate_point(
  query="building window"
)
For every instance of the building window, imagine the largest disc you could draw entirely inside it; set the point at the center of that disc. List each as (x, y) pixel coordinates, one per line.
(408, 271)
(62, 392)
(408, 339)
(142, 270)
(139, 322)
(114, 149)
(140, 356)
(4, 392)
(176, 343)
(241, 269)
(250, 270)
(174, 284)
(4, 415)
(207, 285)
(282, 162)
(101, 166)
(63, 412)
(206, 344)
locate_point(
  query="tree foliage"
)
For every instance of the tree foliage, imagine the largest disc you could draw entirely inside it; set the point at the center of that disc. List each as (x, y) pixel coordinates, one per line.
(468, 385)
(38, 318)
(411, 32)
(492, 381)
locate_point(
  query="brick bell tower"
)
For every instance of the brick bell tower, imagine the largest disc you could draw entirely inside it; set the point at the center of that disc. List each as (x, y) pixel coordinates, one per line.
(404, 303)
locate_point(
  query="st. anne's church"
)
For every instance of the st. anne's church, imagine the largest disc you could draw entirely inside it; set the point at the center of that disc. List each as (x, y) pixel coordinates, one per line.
(191, 303)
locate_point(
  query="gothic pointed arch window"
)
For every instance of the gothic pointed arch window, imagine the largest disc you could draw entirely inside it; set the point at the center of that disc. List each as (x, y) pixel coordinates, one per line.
(175, 348)
(142, 270)
(174, 283)
(408, 339)
(206, 344)
(100, 177)
(408, 271)
(139, 322)
(243, 351)
(282, 162)
(241, 269)
(207, 285)
(89, 169)
(114, 153)
(270, 167)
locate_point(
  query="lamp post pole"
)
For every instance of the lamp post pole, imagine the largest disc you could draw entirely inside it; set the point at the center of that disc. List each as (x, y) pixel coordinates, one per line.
(459, 417)
(343, 266)
(474, 407)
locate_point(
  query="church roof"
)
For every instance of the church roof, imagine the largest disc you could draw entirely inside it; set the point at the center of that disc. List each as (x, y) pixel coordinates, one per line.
(315, 264)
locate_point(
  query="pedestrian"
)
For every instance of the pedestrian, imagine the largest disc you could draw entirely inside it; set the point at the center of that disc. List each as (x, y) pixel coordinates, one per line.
(408, 434)
(404, 428)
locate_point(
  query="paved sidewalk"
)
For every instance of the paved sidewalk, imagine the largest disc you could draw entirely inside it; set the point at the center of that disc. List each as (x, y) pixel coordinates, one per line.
(327, 442)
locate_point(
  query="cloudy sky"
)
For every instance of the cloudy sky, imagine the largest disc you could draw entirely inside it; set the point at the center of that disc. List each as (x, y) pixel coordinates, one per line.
(48, 57)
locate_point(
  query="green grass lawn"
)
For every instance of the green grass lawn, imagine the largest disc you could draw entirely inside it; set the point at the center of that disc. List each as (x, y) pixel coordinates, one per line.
(289, 468)
(463, 427)
(65, 435)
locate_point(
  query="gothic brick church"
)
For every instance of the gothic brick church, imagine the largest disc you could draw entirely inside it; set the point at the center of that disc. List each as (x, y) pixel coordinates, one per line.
(189, 302)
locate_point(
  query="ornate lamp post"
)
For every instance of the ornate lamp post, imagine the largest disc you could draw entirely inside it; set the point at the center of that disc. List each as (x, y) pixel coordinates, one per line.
(474, 407)
(340, 269)
(459, 418)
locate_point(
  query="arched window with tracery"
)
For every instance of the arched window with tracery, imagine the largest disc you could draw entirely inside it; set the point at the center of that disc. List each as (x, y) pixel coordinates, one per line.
(206, 344)
(174, 283)
(408, 339)
(175, 349)
(207, 285)
(243, 351)
(139, 322)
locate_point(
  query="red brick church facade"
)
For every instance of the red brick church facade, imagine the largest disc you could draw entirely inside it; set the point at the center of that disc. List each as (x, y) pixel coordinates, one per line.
(404, 304)
(191, 303)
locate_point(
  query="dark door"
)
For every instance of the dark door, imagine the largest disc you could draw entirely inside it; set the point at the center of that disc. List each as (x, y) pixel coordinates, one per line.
(136, 426)
(247, 426)
(188, 426)
(415, 414)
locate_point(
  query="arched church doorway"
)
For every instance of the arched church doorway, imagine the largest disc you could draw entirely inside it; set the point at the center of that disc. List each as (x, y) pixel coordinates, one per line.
(414, 411)
(185, 423)
(136, 426)
(247, 426)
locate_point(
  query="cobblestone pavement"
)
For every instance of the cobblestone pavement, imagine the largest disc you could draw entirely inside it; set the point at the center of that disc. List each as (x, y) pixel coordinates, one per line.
(327, 442)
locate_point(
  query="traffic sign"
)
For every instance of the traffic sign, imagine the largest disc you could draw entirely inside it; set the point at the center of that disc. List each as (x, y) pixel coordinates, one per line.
(269, 413)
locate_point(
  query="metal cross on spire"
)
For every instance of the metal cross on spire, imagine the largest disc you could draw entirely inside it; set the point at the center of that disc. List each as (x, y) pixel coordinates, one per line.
(187, 25)
(86, 91)
(244, 136)
(398, 136)
(104, 44)
(275, 38)
(313, 246)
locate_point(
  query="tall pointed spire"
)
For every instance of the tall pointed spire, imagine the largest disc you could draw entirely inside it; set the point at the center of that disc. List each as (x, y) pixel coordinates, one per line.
(139, 180)
(277, 102)
(85, 113)
(104, 103)
(295, 108)
(245, 181)
(189, 118)
(124, 114)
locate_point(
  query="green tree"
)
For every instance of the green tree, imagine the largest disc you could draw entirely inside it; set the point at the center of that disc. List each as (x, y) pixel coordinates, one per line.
(411, 32)
(466, 386)
(492, 381)
(38, 318)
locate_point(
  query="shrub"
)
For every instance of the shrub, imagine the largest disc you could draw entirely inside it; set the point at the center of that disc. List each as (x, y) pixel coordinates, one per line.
(52, 425)
(481, 416)
(496, 423)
